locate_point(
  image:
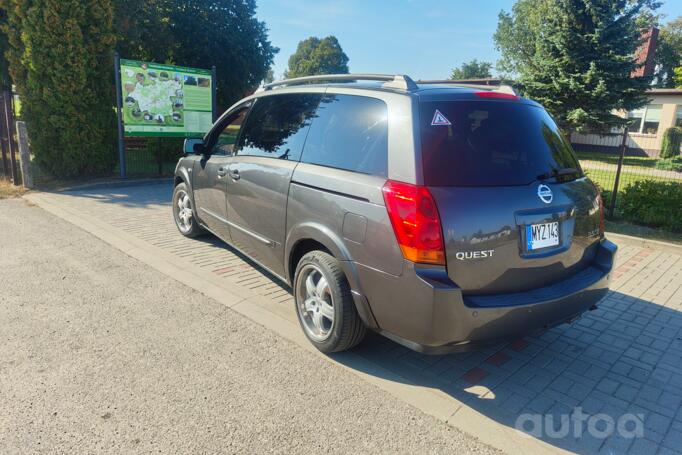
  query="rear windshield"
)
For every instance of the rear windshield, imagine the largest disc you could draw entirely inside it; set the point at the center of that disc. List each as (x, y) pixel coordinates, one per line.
(491, 143)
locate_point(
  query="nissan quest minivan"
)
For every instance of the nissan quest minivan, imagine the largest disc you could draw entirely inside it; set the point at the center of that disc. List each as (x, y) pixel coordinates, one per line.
(442, 216)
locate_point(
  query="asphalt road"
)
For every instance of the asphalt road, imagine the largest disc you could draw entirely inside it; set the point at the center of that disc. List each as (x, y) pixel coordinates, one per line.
(102, 354)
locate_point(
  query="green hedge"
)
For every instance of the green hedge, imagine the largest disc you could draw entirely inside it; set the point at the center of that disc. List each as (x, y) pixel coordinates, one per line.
(656, 204)
(672, 139)
(670, 164)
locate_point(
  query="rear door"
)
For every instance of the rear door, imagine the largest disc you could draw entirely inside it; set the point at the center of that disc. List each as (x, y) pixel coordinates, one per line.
(516, 210)
(259, 175)
(209, 181)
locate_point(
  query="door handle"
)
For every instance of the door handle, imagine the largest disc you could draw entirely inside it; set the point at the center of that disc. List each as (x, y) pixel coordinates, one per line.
(234, 173)
(222, 172)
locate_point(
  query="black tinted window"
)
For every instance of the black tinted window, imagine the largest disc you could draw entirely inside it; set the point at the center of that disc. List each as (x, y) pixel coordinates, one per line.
(226, 139)
(349, 132)
(277, 126)
(490, 143)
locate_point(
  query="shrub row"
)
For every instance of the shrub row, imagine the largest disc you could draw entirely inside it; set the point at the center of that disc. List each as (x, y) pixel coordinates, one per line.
(656, 204)
(670, 164)
(672, 139)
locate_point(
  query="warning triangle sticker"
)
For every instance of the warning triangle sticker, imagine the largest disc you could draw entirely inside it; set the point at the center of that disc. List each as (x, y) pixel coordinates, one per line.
(439, 119)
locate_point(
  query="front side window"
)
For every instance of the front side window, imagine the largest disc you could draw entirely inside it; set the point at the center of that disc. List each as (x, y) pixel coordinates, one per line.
(349, 132)
(225, 142)
(277, 126)
(678, 116)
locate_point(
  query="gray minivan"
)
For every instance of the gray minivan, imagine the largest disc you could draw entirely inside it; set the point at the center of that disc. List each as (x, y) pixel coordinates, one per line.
(443, 216)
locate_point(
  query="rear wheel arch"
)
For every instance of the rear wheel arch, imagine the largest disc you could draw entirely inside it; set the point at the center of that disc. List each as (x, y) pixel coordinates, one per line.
(309, 237)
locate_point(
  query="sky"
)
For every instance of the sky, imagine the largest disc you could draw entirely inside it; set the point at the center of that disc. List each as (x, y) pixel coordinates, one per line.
(424, 39)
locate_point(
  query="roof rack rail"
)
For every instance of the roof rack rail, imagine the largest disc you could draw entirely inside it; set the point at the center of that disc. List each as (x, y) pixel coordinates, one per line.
(494, 85)
(398, 81)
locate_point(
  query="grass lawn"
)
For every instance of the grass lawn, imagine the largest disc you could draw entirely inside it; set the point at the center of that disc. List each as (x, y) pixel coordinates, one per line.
(605, 178)
(8, 190)
(640, 161)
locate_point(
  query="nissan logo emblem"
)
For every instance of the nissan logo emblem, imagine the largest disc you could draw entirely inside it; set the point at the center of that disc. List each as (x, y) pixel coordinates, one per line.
(545, 194)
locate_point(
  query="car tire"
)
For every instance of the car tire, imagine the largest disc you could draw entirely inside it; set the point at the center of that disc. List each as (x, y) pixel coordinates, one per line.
(183, 212)
(324, 304)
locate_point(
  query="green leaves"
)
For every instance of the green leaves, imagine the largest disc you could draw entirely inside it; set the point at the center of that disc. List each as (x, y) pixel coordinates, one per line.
(657, 204)
(199, 33)
(61, 63)
(59, 54)
(672, 139)
(317, 56)
(575, 57)
(472, 70)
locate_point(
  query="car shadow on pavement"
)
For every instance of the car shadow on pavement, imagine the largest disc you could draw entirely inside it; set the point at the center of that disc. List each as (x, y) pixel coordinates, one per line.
(611, 382)
(618, 366)
(145, 195)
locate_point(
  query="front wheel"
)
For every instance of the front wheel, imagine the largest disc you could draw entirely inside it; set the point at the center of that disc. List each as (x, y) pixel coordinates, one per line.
(324, 304)
(183, 214)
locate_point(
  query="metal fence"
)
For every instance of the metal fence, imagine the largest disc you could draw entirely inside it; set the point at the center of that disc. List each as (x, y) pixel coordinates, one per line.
(615, 167)
(9, 163)
(141, 161)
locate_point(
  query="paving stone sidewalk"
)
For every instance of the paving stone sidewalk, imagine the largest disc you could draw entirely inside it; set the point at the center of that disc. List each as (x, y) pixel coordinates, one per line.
(619, 367)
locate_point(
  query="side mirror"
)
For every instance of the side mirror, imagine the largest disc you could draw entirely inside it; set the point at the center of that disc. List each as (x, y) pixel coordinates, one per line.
(194, 146)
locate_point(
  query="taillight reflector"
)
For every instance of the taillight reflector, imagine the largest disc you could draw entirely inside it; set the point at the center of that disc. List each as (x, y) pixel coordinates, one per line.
(498, 95)
(415, 221)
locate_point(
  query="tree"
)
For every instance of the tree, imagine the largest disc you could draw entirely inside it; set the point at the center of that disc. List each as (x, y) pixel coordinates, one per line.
(317, 56)
(60, 60)
(576, 57)
(13, 13)
(472, 70)
(677, 77)
(669, 52)
(517, 34)
(199, 33)
(4, 47)
(142, 31)
(269, 76)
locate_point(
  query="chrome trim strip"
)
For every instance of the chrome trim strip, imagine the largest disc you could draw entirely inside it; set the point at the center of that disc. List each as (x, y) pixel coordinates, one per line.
(260, 238)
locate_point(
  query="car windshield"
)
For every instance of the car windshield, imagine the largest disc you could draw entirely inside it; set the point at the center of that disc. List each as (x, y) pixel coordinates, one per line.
(492, 143)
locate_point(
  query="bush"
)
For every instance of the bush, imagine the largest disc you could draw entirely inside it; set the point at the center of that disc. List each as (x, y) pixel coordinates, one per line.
(670, 164)
(672, 139)
(164, 150)
(651, 203)
(606, 196)
(63, 49)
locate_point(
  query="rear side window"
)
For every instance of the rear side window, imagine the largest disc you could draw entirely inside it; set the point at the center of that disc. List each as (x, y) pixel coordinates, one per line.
(349, 132)
(490, 143)
(277, 126)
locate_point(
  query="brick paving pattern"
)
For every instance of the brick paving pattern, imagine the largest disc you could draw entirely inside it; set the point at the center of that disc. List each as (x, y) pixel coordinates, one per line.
(623, 358)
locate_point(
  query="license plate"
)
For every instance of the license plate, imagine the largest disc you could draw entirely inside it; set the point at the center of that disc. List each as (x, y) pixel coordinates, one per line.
(542, 235)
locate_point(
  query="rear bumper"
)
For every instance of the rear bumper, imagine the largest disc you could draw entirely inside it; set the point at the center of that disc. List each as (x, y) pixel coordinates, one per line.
(424, 310)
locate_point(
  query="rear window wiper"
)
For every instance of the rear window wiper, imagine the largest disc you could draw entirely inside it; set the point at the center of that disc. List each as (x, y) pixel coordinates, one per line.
(558, 173)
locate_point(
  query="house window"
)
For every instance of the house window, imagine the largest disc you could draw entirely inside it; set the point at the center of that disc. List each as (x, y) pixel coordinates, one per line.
(678, 116)
(646, 119)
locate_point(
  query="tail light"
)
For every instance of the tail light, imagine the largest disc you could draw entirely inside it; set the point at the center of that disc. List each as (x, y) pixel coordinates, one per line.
(601, 215)
(415, 221)
(497, 95)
